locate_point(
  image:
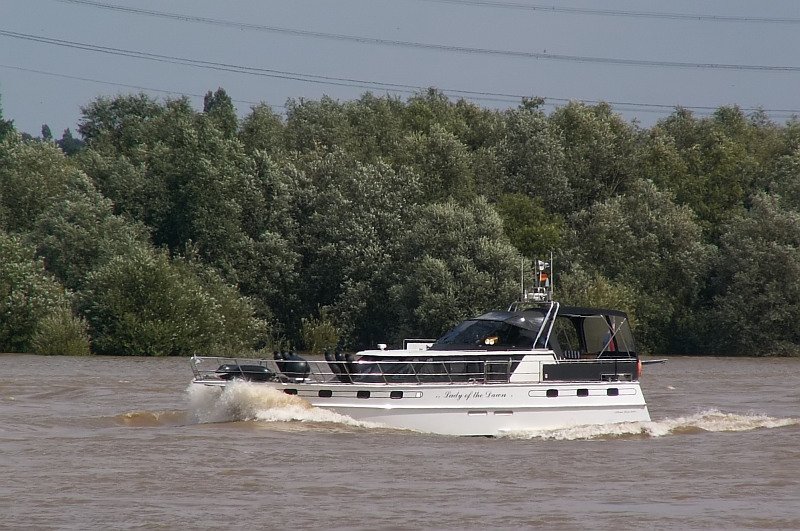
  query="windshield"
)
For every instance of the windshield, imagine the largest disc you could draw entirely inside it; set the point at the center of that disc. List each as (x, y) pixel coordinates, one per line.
(487, 334)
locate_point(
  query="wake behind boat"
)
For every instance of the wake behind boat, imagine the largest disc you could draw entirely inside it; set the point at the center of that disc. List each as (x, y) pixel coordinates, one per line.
(537, 366)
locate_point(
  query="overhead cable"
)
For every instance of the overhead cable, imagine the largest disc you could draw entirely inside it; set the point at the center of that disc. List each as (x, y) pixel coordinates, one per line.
(545, 56)
(123, 85)
(655, 108)
(607, 12)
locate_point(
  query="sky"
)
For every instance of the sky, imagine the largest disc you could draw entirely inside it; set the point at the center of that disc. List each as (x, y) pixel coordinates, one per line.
(644, 57)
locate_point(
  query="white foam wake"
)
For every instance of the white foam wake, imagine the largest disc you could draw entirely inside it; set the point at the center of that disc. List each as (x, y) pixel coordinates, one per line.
(247, 401)
(711, 420)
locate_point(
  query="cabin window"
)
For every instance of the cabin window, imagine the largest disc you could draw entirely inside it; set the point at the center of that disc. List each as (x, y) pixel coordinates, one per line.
(552, 393)
(597, 333)
(612, 391)
(599, 329)
(435, 369)
(566, 333)
(325, 393)
(396, 394)
(416, 370)
(461, 370)
(489, 333)
(362, 394)
(430, 370)
(583, 392)
(456, 368)
(290, 391)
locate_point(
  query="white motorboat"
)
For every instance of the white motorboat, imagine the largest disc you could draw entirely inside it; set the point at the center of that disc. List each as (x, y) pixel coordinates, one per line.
(536, 366)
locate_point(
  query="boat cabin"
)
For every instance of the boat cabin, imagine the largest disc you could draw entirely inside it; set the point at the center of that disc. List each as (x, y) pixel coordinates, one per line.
(570, 332)
(589, 333)
(490, 347)
(542, 342)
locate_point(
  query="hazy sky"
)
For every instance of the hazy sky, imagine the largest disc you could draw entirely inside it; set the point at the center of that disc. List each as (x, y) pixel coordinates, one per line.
(645, 57)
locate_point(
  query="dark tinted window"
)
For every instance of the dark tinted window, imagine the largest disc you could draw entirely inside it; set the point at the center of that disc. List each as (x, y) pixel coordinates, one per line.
(484, 333)
(566, 333)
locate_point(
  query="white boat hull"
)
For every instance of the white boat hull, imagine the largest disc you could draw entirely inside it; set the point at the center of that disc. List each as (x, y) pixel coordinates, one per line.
(475, 409)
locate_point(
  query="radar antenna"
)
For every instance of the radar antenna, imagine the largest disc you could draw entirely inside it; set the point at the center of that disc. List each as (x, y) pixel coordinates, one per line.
(543, 282)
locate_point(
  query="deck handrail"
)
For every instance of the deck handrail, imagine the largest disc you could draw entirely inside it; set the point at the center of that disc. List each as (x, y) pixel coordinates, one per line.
(496, 369)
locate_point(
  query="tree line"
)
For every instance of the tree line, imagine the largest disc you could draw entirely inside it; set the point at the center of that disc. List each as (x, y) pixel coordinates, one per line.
(166, 230)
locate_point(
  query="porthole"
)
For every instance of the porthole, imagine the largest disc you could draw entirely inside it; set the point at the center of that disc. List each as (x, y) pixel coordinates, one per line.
(552, 393)
(583, 392)
(396, 394)
(612, 391)
(325, 393)
(362, 394)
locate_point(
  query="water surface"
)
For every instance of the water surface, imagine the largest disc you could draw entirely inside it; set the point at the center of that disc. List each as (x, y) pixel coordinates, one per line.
(98, 443)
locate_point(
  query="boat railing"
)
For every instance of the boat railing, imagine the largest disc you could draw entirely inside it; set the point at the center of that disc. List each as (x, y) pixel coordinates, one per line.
(478, 371)
(211, 368)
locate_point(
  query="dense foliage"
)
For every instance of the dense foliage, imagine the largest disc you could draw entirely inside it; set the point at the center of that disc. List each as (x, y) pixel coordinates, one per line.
(165, 230)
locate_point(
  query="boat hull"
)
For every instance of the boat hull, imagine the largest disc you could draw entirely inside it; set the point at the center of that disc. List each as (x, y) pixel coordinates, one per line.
(474, 409)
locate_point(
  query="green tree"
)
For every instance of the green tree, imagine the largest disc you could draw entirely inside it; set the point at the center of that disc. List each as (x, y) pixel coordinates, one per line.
(262, 130)
(218, 107)
(529, 227)
(725, 159)
(316, 125)
(133, 190)
(6, 126)
(432, 107)
(69, 144)
(661, 161)
(599, 151)
(376, 128)
(33, 177)
(351, 240)
(579, 287)
(79, 233)
(28, 294)
(319, 334)
(121, 123)
(757, 300)
(786, 179)
(146, 305)
(269, 260)
(458, 263)
(203, 195)
(443, 162)
(645, 241)
(533, 160)
(184, 178)
(61, 333)
(383, 214)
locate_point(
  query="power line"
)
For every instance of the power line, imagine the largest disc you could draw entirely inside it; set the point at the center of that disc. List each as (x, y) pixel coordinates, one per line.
(228, 67)
(616, 13)
(539, 8)
(439, 47)
(549, 101)
(281, 74)
(337, 81)
(296, 76)
(124, 85)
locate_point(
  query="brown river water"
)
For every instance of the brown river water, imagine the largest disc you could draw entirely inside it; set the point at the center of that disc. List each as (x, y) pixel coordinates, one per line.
(122, 443)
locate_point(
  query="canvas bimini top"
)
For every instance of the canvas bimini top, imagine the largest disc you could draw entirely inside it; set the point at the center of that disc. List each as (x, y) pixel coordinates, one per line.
(570, 331)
